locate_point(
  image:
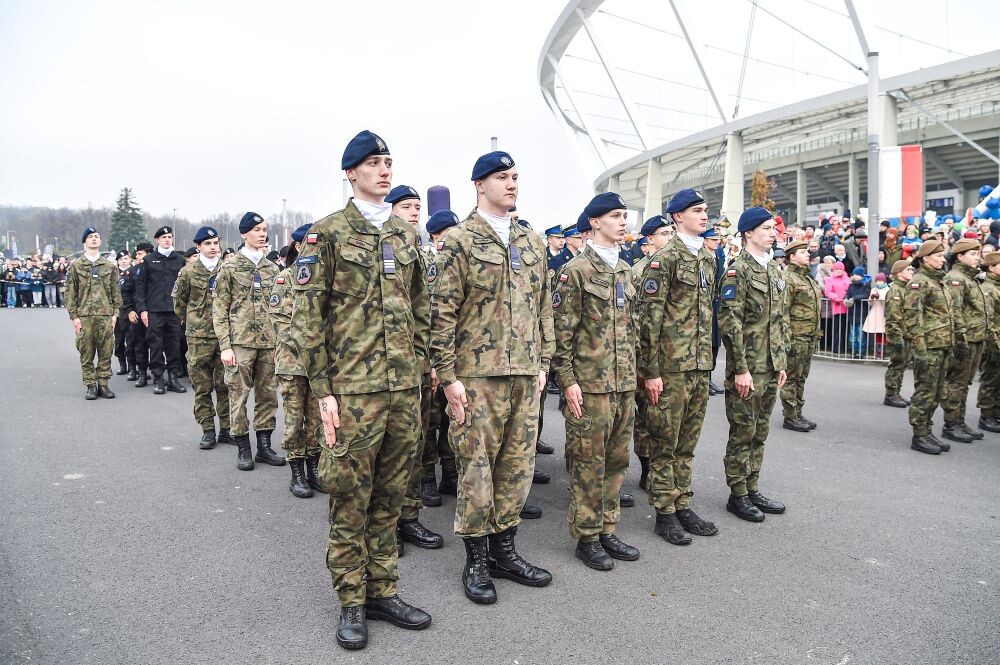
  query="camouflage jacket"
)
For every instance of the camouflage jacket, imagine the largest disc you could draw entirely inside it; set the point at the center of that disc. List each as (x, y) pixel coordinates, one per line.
(239, 308)
(361, 317)
(802, 298)
(751, 319)
(279, 307)
(991, 289)
(92, 288)
(192, 296)
(928, 305)
(637, 270)
(969, 303)
(594, 319)
(675, 311)
(897, 328)
(491, 305)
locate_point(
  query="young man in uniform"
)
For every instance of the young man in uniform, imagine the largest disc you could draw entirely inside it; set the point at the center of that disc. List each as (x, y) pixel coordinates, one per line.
(594, 362)
(492, 341)
(752, 323)
(988, 399)
(360, 325)
(93, 301)
(136, 346)
(124, 261)
(246, 340)
(193, 305)
(156, 309)
(302, 421)
(897, 334)
(802, 298)
(675, 360)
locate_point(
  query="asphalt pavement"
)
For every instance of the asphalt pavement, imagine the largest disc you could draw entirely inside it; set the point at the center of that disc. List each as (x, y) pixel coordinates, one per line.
(122, 542)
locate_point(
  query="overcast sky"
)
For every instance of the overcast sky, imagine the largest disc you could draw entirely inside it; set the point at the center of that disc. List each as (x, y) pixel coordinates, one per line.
(213, 107)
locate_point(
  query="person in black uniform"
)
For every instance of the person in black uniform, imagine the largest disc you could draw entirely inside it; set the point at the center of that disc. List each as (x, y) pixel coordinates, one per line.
(156, 309)
(122, 325)
(136, 347)
(713, 243)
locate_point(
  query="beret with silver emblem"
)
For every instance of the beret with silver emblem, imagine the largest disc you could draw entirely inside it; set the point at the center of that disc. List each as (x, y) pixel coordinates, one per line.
(86, 232)
(360, 147)
(401, 193)
(683, 200)
(441, 220)
(603, 204)
(205, 233)
(491, 162)
(250, 220)
(163, 230)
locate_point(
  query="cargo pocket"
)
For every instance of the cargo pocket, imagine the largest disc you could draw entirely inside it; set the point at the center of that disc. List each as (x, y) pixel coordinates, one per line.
(578, 436)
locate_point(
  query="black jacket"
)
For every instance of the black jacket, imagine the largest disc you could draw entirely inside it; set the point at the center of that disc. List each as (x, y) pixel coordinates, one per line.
(154, 280)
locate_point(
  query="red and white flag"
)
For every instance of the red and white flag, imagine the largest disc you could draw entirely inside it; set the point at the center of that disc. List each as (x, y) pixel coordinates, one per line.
(901, 181)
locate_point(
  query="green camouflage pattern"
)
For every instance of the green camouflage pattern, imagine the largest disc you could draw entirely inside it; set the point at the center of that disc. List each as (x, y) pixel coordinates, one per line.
(434, 421)
(356, 326)
(988, 398)
(96, 338)
(642, 441)
(802, 298)
(303, 427)
(961, 373)
(674, 424)
(597, 456)
(930, 387)
(192, 296)
(207, 373)
(279, 309)
(897, 329)
(366, 474)
(968, 303)
(92, 288)
(927, 305)
(239, 308)
(749, 425)
(751, 318)
(254, 371)
(800, 353)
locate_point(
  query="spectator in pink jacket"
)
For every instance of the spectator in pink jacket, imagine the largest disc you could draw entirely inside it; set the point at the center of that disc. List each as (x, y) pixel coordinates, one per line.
(835, 289)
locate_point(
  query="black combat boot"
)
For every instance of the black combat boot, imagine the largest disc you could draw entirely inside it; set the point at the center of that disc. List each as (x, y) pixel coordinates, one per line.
(896, 401)
(811, 424)
(132, 373)
(670, 529)
(396, 612)
(173, 385)
(91, 392)
(429, 495)
(122, 367)
(989, 423)
(104, 391)
(795, 424)
(764, 504)
(159, 387)
(476, 580)
(625, 500)
(244, 458)
(593, 555)
(740, 505)
(617, 549)
(226, 437)
(352, 632)
(540, 478)
(312, 473)
(945, 447)
(530, 512)
(714, 389)
(924, 444)
(695, 525)
(299, 485)
(551, 387)
(504, 561)
(644, 473)
(412, 531)
(264, 452)
(143, 379)
(207, 439)
(449, 483)
(543, 448)
(954, 432)
(977, 436)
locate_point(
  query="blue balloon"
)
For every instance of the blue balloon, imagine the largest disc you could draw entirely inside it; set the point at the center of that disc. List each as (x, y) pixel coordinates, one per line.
(993, 213)
(985, 191)
(993, 203)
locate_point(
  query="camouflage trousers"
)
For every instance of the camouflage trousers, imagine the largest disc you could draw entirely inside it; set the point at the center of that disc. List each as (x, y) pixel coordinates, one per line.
(929, 389)
(366, 474)
(434, 446)
(207, 373)
(643, 442)
(749, 425)
(800, 353)
(495, 451)
(96, 338)
(254, 370)
(898, 360)
(988, 399)
(960, 376)
(597, 450)
(303, 426)
(674, 424)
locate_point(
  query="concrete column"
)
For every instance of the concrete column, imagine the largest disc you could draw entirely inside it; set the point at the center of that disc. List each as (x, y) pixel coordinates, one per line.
(654, 187)
(853, 186)
(613, 183)
(889, 110)
(732, 180)
(801, 191)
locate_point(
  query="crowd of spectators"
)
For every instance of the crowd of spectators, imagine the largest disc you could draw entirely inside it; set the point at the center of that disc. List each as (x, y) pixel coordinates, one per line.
(33, 281)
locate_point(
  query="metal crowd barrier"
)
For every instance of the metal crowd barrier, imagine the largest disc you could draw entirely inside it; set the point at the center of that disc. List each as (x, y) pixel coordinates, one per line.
(858, 335)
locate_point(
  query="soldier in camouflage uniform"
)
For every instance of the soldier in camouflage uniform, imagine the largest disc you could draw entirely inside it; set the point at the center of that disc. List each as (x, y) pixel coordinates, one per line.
(897, 333)
(246, 338)
(594, 362)
(492, 340)
(675, 360)
(192, 295)
(752, 323)
(360, 325)
(302, 421)
(802, 298)
(928, 305)
(969, 311)
(988, 399)
(92, 301)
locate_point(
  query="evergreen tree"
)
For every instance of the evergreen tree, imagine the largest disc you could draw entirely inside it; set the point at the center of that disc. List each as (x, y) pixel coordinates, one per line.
(127, 228)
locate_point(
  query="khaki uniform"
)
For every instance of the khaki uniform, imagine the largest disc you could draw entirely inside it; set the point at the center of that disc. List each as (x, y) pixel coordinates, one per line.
(988, 399)
(897, 333)
(595, 330)
(241, 321)
(675, 344)
(928, 304)
(492, 329)
(802, 298)
(643, 442)
(752, 324)
(193, 295)
(360, 325)
(969, 310)
(92, 296)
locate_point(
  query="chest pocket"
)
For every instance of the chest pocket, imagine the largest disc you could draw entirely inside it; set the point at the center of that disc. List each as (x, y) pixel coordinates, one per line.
(529, 263)
(596, 299)
(242, 286)
(405, 256)
(355, 269)
(486, 268)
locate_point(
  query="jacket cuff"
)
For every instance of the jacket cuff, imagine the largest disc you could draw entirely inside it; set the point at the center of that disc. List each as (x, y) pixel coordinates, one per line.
(320, 388)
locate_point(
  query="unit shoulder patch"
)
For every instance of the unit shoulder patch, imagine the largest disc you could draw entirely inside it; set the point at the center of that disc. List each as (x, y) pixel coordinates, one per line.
(729, 292)
(651, 286)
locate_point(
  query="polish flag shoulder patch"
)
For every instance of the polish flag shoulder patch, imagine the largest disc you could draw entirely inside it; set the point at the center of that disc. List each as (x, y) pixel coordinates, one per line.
(279, 280)
(730, 273)
(915, 285)
(564, 277)
(312, 238)
(655, 265)
(955, 282)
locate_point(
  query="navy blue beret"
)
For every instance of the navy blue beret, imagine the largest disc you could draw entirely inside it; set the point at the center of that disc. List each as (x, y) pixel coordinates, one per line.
(121, 253)
(641, 242)
(401, 193)
(441, 220)
(651, 224)
(554, 232)
(603, 203)
(492, 162)
(204, 233)
(163, 230)
(583, 223)
(752, 218)
(683, 200)
(570, 231)
(300, 233)
(86, 232)
(523, 222)
(361, 146)
(250, 220)
(710, 233)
